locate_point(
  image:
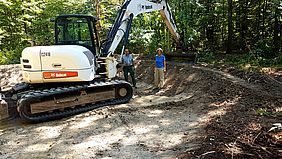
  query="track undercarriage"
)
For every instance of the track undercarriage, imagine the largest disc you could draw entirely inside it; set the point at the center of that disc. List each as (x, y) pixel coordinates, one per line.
(42, 104)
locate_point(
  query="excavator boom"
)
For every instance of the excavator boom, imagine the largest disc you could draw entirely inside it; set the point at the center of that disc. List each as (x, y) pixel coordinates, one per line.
(131, 9)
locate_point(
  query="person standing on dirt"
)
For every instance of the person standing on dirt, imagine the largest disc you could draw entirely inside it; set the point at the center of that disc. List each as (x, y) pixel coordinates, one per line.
(160, 68)
(128, 66)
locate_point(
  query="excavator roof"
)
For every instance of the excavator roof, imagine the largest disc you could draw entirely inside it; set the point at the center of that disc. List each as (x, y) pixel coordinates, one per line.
(77, 15)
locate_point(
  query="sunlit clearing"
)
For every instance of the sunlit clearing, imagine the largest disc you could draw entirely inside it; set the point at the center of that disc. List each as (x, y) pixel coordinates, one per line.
(122, 106)
(76, 155)
(142, 129)
(47, 132)
(194, 124)
(217, 112)
(155, 113)
(108, 126)
(106, 158)
(173, 140)
(38, 147)
(221, 110)
(85, 122)
(101, 141)
(130, 140)
(165, 122)
(165, 141)
(226, 103)
(153, 99)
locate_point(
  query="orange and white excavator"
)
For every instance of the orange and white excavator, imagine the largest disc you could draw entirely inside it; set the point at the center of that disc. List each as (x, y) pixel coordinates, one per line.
(77, 74)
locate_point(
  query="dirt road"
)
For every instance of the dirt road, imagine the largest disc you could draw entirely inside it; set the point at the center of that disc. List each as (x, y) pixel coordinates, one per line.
(200, 113)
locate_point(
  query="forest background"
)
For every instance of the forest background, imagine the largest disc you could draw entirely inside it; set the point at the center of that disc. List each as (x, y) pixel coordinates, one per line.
(247, 31)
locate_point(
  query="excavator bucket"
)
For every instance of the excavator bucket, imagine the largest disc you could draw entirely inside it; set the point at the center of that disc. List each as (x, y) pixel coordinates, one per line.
(3, 108)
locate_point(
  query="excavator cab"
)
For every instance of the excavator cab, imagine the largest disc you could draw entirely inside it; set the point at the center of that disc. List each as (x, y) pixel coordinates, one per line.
(71, 59)
(76, 29)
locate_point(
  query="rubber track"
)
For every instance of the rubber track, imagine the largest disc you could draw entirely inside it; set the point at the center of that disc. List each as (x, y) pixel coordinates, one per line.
(32, 97)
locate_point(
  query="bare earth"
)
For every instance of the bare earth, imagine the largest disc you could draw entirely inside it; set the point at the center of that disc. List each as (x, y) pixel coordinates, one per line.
(200, 113)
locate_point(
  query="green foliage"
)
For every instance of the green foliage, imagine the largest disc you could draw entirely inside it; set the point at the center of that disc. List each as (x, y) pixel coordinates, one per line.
(264, 48)
(248, 60)
(23, 21)
(203, 25)
(208, 56)
(265, 112)
(276, 61)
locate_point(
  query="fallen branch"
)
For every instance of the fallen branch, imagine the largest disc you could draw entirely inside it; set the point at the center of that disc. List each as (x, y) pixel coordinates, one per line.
(255, 147)
(271, 78)
(206, 153)
(255, 138)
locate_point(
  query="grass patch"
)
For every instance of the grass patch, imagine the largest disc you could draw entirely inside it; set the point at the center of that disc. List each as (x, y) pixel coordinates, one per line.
(268, 113)
(245, 61)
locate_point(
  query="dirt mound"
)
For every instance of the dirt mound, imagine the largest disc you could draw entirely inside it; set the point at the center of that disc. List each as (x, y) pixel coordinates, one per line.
(235, 98)
(186, 78)
(9, 75)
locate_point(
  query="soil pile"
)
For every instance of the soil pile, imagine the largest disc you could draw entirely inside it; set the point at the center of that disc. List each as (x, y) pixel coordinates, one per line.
(9, 75)
(245, 104)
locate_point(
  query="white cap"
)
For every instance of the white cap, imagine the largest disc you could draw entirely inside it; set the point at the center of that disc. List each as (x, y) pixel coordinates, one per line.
(160, 49)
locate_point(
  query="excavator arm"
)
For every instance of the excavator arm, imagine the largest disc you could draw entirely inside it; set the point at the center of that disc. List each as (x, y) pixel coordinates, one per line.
(129, 10)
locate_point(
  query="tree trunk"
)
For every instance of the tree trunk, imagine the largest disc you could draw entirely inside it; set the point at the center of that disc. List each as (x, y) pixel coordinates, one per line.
(24, 24)
(258, 21)
(230, 28)
(223, 23)
(98, 14)
(276, 38)
(245, 22)
(263, 18)
(210, 25)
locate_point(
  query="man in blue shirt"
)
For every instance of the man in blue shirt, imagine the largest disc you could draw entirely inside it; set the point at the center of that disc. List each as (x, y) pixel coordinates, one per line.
(128, 66)
(160, 68)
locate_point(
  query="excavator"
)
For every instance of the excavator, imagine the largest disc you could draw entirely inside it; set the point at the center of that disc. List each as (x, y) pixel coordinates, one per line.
(77, 73)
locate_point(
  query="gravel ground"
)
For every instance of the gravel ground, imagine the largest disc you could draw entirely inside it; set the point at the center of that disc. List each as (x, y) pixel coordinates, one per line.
(199, 110)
